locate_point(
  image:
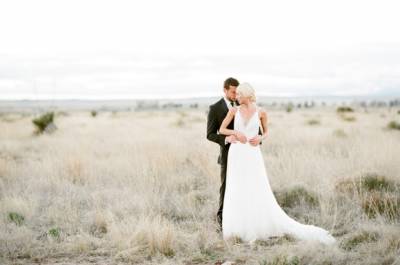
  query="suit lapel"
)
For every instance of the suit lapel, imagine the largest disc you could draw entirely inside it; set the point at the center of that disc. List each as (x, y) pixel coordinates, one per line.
(224, 106)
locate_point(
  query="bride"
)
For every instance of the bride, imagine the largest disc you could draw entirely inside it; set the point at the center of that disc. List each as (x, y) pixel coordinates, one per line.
(250, 208)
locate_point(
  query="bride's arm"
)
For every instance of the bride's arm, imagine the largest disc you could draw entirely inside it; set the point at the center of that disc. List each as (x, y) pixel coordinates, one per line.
(228, 118)
(224, 130)
(264, 122)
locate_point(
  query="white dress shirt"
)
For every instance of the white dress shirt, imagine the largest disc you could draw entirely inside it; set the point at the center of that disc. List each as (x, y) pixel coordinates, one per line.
(228, 103)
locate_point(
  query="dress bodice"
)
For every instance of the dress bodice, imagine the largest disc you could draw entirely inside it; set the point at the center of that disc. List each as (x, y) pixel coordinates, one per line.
(248, 127)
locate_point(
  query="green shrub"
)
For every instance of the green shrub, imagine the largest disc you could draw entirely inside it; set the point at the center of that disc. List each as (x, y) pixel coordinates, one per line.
(54, 232)
(278, 240)
(382, 203)
(394, 125)
(313, 122)
(355, 240)
(296, 196)
(369, 182)
(378, 183)
(376, 195)
(282, 260)
(43, 121)
(98, 229)
(16, 218)
(93, 113)
(344, 109)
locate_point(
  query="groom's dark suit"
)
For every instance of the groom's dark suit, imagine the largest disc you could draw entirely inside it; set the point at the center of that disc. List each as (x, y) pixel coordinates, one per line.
(216, 115)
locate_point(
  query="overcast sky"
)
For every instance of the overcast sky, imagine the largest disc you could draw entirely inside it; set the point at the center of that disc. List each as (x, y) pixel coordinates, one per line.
(119, 49)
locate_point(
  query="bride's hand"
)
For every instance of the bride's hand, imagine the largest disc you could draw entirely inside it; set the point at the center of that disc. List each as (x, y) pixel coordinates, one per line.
(255, 140)
(241, 137)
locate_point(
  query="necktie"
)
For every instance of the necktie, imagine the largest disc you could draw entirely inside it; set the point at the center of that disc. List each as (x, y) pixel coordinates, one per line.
(232, 104)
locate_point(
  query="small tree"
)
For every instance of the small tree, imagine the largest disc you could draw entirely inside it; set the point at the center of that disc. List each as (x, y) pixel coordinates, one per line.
(45, 122)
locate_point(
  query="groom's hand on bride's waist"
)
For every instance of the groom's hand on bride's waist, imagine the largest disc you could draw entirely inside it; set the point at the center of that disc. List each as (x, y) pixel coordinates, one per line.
(230, 139)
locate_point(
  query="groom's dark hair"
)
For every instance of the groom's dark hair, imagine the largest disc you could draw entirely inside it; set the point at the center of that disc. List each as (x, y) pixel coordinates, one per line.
(230, 82)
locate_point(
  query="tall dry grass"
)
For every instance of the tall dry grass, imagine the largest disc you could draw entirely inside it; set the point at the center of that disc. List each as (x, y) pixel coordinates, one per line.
(142, 187)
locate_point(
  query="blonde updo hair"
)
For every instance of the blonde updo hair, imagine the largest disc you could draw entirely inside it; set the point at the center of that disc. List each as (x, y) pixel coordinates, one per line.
(246, 90)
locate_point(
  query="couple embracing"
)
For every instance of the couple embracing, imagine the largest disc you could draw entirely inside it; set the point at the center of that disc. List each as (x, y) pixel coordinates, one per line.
(248, 208)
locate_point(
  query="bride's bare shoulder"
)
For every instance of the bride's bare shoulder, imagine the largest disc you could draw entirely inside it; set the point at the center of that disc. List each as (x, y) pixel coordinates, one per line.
(232, 111)
(262, 112)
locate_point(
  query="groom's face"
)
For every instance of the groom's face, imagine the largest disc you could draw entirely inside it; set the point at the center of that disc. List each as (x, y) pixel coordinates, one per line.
(230, 92)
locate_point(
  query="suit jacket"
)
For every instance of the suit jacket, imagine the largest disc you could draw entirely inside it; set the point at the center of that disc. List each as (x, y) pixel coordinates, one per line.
(216, 114)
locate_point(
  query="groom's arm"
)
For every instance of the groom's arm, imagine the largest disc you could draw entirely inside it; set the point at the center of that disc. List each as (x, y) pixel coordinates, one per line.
(213, 126)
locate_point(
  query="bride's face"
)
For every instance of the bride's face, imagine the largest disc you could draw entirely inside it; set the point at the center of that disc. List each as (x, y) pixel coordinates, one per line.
(241, 99)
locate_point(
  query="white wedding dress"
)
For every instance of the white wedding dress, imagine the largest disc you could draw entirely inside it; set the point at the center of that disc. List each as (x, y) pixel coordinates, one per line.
(250, 208)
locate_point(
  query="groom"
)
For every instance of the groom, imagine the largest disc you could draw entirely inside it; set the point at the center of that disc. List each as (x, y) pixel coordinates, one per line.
(216, 115)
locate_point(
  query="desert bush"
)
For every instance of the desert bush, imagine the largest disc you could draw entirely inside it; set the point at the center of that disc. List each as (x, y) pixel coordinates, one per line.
(313, 122)
(289, 108)
(393, 125)
(359, 238)
(93, 113)
(368, 182)
(98, 229)
(378, 183)
(348, 118)
(296, 196)
(344, 109)
(208, 255)
(281, 240)
(157, 237)
(44, 123)
(16, 218)
(377, 195)
(54, 232)
(382, 203)
(282, 260)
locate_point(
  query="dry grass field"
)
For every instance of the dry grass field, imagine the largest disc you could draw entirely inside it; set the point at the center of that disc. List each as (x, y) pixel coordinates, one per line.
(143, 187)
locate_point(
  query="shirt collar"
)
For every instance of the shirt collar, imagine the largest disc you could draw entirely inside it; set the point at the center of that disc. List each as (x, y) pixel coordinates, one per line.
(228, 102)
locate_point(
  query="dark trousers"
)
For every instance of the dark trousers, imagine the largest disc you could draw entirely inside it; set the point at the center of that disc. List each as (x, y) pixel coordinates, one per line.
(221, 194)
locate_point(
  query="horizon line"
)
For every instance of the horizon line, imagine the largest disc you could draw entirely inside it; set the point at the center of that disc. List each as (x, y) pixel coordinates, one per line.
(30, 97)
